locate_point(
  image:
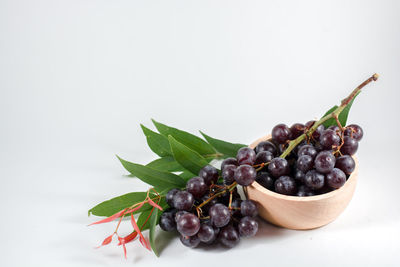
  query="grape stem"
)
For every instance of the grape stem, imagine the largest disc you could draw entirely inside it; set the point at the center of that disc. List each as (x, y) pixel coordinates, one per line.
(228, 188)
(334, 114)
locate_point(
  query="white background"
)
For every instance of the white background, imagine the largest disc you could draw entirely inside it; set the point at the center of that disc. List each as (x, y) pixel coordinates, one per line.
(77, 78)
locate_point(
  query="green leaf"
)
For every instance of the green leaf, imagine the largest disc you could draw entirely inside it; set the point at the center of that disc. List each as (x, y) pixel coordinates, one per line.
(188, 139)
(168, 164)
(159, 179)
(331, 121)
(158, 143)
(144, 216)
(345, 113)
(188, 158)
(155, 216)
(112, 206)
(226, 148)
(187, 175)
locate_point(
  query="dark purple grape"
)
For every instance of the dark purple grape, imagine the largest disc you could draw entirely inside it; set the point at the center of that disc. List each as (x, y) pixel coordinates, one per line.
(235, 207)
(264, 179)
(219, 215)
(169, 198)
(183, 200)
(266, 146)
(207, 207)
(350, 146)
(297, 129)
(314, 180)
(304, 191)
(206, 233)
(246, 155)
(228, 236)
(334, 128)
(325, 161)
(297, 148)
(305, 163)
(247, 227)
(245, 175)
(281, 133)
(248, 208)
(209, 174)
(346, 163)
(309, 124)
(307, 150)
(188, 224)
(336, 178)
(229, 161)
(179, 213)
(228, 174)
(329, 139)
(325, 189)
(167, 221)
(299, 175)
(190, 241)
(278, 167)
(197, 187)
(354, 131)
(317, 133)
(285, 185)
(263, 157)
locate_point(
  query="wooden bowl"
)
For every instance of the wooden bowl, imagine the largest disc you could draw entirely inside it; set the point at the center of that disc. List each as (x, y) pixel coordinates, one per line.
(301, 213)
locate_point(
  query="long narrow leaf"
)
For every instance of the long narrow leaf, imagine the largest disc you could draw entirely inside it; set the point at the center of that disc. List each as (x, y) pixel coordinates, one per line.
(158, 143)
(226, 148)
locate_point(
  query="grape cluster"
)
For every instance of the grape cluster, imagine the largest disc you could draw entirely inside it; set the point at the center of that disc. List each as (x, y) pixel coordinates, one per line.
(321, 163)
(211, 210)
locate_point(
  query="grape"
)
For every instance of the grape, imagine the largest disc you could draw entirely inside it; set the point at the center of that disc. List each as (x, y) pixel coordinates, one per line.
(206, 233)
(329, 139)
(297, 129)
(354, 131)
(197, 187)
(346, 164)
(334, 128)
(228, 174)
(263, 157)
(219, 215)
(300, 145)
(247, 227)
(299, 175)
(307, 150)
(167, 221)
(228, 236)
(350, 146)
(336, 178)
(304, 191)
(264, 179)
(266, 146)
(281, 133)
(314, 179)
(183, 200)
(285, 185)
(179, 213)
(317, 133)
(309, 124)
(246, 155)
(235, 207)
(245, 175)
(278, 167)
(207, 206)
(209, 174)
(188, 224)
(248, 208)
(190, 241)
(304, 163)
(169, 198)
(229, 161)
(324, 161)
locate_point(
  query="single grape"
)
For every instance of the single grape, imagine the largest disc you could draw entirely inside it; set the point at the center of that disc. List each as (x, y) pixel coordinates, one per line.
(235, 207)
(248, 208)
(299, 175)
(304, 191)
(309, 124)
(264, 179)
(169, 198)
(297, 129)
(219, 215)
(325, 161)
(229, 161)
(190, 241)
(307, 150)
(317, 133)
(228, 174)
(334, 128)
(350, 146)
(314, 180)
(179, 213)
(346, 163)
(228, 236)
(285, 185)
(336, 178)
(167, 221)
(245, 175)
(263, 157)
(246, 155)
(197, 187)
(281, 133)
(266, 146)
(304, 163)
(183, 200)
(354, 131)
(247, 227)
(297, 148)
(329, 139)
(209, 174)
(206, 233)
(188, 224)
(278, 167)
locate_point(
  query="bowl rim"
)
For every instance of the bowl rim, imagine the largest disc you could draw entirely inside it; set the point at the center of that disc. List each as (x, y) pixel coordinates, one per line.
(270, 193)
